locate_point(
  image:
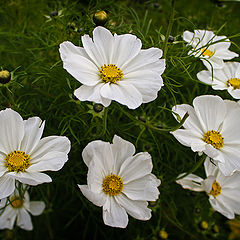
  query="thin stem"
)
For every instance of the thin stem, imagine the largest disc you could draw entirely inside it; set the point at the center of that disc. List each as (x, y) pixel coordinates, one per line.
(165, 48)
(10, 97)
(148, 125)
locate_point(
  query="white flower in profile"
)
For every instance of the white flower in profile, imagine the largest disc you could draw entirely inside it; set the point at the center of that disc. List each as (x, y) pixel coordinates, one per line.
(113, 67)
(211, 49)
(213, 128)
(221, 79)
(223, 191)
(24, 155)
(15, 209)
(119, 181)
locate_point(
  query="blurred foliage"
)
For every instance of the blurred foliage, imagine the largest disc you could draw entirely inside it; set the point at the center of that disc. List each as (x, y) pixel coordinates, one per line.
(30, 34)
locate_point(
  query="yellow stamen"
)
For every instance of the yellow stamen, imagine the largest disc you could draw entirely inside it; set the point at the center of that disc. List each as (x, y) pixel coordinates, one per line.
(214, 138)
(16, 202)
(234, 82)
(206, 52)
(17, 161)
(110, 73)
(112, 185)
(216, 189)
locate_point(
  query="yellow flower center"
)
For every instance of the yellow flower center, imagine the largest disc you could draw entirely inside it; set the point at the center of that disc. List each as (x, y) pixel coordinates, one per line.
(112, 185)
(216, 189)
(17, 161)
(110, 73)
(16, 202)
(206, 52)
(234, 82)
(214, 138)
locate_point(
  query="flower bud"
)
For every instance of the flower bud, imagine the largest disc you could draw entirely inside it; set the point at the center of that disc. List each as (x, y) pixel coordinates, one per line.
(5, 76)
(163, 234)
(100, 18)
(204, 225)
(171, 39)
(97, 107)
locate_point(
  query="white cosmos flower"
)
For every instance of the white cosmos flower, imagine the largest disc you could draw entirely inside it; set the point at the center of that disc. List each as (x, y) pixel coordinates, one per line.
(226, 78)
(24, 155)
(16, 209)
(213, 128)
(119, 181)
(223, 191)
(113, 67)
(211, 48)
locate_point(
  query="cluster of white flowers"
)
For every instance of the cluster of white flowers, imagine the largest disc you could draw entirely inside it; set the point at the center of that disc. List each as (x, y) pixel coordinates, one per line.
(113, 67)
(212, 50)
(213, 125)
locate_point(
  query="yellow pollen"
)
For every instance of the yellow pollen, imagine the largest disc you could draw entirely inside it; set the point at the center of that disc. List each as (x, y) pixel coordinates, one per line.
(216, 189)
(206, 52)
(110, 73)
(214, 138)
(17, 161)
(16, 202)
(112, 185)
(234, 82)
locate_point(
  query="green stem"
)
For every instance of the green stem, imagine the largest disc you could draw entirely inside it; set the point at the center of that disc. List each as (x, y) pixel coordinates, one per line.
(105, 121)
(165, 48)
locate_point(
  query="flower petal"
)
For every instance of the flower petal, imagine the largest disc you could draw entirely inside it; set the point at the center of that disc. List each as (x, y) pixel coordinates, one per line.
(231, 127)
(188, 36)
(11, 130)
(92, 51)
(67, 48)
(82, 69)
(190, 139)
(114, 215)
(33, 132)
(31, 178)
(126, 47)
(192, 123)
(101, 153)
(7, 218)
(7, 186)
(121, 150)
(52, 161)
(210, 168)
(191, 181)
(212, 63)
(147, 59)
(137, 209)
(226, 54)
(104, 42)
(218, 206)
(87, 93)
(144, 189)
(136, 167)
(211, 111)
(24, 220)
(231, 162)
(147, 82)
(123, 93)
(36, 207)
(96, 198)
(50, 144)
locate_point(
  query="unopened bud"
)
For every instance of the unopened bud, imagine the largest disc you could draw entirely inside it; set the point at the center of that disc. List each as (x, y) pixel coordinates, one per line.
(100, 18)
